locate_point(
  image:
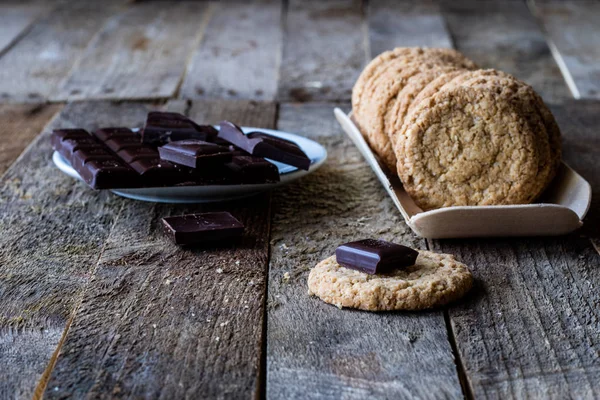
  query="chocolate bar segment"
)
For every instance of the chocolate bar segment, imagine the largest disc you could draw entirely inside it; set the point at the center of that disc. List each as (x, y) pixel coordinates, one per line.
(95, 164)
(105, 134)
(163, 127)
(142, 158)
(261, 144)
(198, 228)
(104, 173)
(195, 153)
(375, 256)
(250, 170)
(279, 149)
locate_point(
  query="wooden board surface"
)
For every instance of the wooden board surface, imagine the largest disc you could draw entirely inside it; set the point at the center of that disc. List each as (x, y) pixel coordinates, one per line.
(505, 36)
(404, 24)
(140, 53)
(16, 20)
(182, 322)
(32, 70)
(53, 229)
(239, 55)
(530, 327)
(315, 350)
(19, 125)
(324, 50)
(573, 30)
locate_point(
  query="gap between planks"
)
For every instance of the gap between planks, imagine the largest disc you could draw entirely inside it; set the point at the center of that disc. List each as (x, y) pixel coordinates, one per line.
(38, 393)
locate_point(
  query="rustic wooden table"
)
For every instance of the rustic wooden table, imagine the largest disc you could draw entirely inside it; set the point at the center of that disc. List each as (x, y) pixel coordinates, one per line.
(96, 302)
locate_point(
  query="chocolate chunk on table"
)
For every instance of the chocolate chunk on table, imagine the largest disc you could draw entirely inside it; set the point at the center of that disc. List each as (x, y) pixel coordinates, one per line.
(198, 228)
(375, 256)
(163, 127)
(195, 153)
(261, 144)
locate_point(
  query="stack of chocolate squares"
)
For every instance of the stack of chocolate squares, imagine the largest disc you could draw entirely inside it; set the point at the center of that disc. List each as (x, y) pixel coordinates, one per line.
(173, 150)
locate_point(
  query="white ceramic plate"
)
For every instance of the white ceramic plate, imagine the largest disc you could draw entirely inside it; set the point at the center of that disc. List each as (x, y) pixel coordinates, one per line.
(213, 193)
(560, 210)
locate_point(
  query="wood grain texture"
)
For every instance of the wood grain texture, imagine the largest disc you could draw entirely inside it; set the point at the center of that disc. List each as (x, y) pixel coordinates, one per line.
(505, 36)
(33, 68)
(579, 121)
(324, 50)
(15, 20)
(405, 24)
(140, 53)
(52, 231)
(315, 350)
(532, 327)
(160, 321)
(19, 125)
(572, 30)
(239, 55)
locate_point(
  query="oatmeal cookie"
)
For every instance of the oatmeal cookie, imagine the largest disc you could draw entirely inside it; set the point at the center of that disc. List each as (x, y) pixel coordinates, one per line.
(434, 280)
(466, 146)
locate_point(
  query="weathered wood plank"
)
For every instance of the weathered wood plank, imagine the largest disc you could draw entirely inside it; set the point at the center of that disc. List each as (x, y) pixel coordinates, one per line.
(140, 53)
(579, 121)
(182, 322)
(33, 68)
(19, 125)
(315, 350)
(532, 327)
(505, 36)
(324, 50)
(403, 24)
(52, 231)
(572, 30)
(240, 53)
(15, 20)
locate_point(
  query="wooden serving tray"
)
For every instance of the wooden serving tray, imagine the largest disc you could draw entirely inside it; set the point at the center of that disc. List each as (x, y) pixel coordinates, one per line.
(560, 210)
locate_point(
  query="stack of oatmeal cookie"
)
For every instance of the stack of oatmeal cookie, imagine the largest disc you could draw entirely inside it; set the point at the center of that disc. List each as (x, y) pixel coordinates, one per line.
(456, 135)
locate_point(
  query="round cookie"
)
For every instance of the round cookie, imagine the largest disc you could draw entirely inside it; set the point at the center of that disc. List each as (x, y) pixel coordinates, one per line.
(372, 68)
(404, 55)
(372, 119)
(524, 96)
(396, 131)
(448, 57)
(380, 100)
(432, 88)
(465, 146)
(450, 79)
(554, 135)
(414, 85)
(434, 280)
